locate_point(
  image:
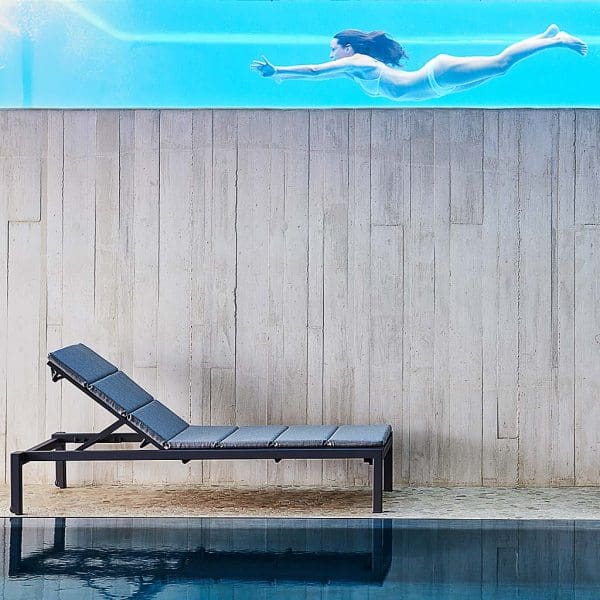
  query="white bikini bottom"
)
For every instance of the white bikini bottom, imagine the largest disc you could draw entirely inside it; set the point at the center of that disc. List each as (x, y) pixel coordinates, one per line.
(436, 88)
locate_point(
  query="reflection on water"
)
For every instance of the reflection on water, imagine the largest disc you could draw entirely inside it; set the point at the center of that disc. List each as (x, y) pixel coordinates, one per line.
(326, 559)
(149, 557)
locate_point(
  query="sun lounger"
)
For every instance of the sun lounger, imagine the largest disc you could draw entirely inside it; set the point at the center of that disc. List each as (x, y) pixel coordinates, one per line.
(170, 438)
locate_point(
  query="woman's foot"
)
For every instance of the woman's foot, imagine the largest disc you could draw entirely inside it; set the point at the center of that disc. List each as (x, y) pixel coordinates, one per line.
(570, 41)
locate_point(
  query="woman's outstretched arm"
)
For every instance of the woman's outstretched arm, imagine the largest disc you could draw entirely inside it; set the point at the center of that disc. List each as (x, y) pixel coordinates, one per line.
(328, 70)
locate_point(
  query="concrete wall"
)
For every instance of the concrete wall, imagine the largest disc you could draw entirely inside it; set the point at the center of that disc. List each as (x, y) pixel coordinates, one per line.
(436, 270)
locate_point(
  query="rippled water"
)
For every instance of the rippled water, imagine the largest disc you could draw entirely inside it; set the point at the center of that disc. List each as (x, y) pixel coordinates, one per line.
(327, 559)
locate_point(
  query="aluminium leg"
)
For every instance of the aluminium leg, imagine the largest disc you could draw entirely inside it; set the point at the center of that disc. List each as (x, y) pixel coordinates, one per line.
(16, 483)
(61, 470)
(378, 484)
(388, 470)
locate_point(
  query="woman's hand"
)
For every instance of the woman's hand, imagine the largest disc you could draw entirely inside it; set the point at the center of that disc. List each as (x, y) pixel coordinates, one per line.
(264, 67)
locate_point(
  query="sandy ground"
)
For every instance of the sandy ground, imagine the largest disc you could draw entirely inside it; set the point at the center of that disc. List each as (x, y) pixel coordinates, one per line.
(417, 503)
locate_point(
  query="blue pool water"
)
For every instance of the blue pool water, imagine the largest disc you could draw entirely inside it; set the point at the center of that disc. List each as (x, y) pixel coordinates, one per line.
(299, 559)
(196, 53)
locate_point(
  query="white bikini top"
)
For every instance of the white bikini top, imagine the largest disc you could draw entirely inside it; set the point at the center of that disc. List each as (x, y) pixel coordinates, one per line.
(370, 86)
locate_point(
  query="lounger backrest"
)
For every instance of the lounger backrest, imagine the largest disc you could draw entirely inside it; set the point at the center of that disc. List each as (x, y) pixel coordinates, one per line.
(117, 391)
(158, 422)
(81, 364)
(122, 394)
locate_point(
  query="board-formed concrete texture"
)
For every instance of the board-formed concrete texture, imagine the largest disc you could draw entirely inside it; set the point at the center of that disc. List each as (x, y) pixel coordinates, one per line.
(431, 269)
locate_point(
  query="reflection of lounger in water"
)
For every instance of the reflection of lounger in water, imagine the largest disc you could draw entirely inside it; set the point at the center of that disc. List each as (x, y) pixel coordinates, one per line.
(369, 60)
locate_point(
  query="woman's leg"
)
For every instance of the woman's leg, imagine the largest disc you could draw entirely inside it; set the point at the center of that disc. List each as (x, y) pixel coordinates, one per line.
(459, 71)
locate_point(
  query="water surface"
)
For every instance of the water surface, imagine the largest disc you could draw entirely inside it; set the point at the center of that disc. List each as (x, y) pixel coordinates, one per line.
(325, 559)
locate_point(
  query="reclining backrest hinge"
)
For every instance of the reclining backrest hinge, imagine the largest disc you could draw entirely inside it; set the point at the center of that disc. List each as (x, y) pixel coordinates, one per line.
(56, 375)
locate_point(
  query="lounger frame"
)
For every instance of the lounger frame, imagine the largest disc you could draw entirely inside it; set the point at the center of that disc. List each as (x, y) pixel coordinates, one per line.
(54, 450)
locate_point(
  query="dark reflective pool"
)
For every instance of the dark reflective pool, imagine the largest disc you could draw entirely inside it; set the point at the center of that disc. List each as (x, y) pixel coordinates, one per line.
(299, 559)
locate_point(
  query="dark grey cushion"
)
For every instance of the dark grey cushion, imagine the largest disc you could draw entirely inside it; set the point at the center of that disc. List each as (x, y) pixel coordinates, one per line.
(158, 422)
(121, 393)
(255, 436)
(201, 436)
(81, 363)
(303, 436)
(360, 435)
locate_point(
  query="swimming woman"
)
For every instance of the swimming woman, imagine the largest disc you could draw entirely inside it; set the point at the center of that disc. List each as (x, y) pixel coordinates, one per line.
(369, 60)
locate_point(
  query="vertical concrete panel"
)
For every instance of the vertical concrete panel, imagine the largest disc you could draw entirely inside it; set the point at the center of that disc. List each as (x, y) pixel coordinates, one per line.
(316, 182)
(338, 385)
(202, 170)
(52, 390)
(390, 166)
(79, 232)
(106, 257)
(440, 428)
(3, 292)
(146, 211)
(537, 416)
(587, 167)
(143, 250)
(54, 218)
(419, 303)
(22, 166)
(221, 223)
(276, 244)
(174, 292)
(202, 174)
(221, 395)
(587, 353)
(499, 281)
(219, 272)
(359, 267)
(25, 142)
(277, 278)
(126, 267)
(125, 273)
(107, 223)
(256, 175)
(563, 303)
(386, 315)
(25, 405)
(142, 210)
(293, 138)
(465, 355)
(506, 199)
(466, 173)
(289, 265)
(48, 427)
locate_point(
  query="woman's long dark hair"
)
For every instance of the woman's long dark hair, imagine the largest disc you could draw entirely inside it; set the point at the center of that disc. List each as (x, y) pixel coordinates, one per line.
(376, 44)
